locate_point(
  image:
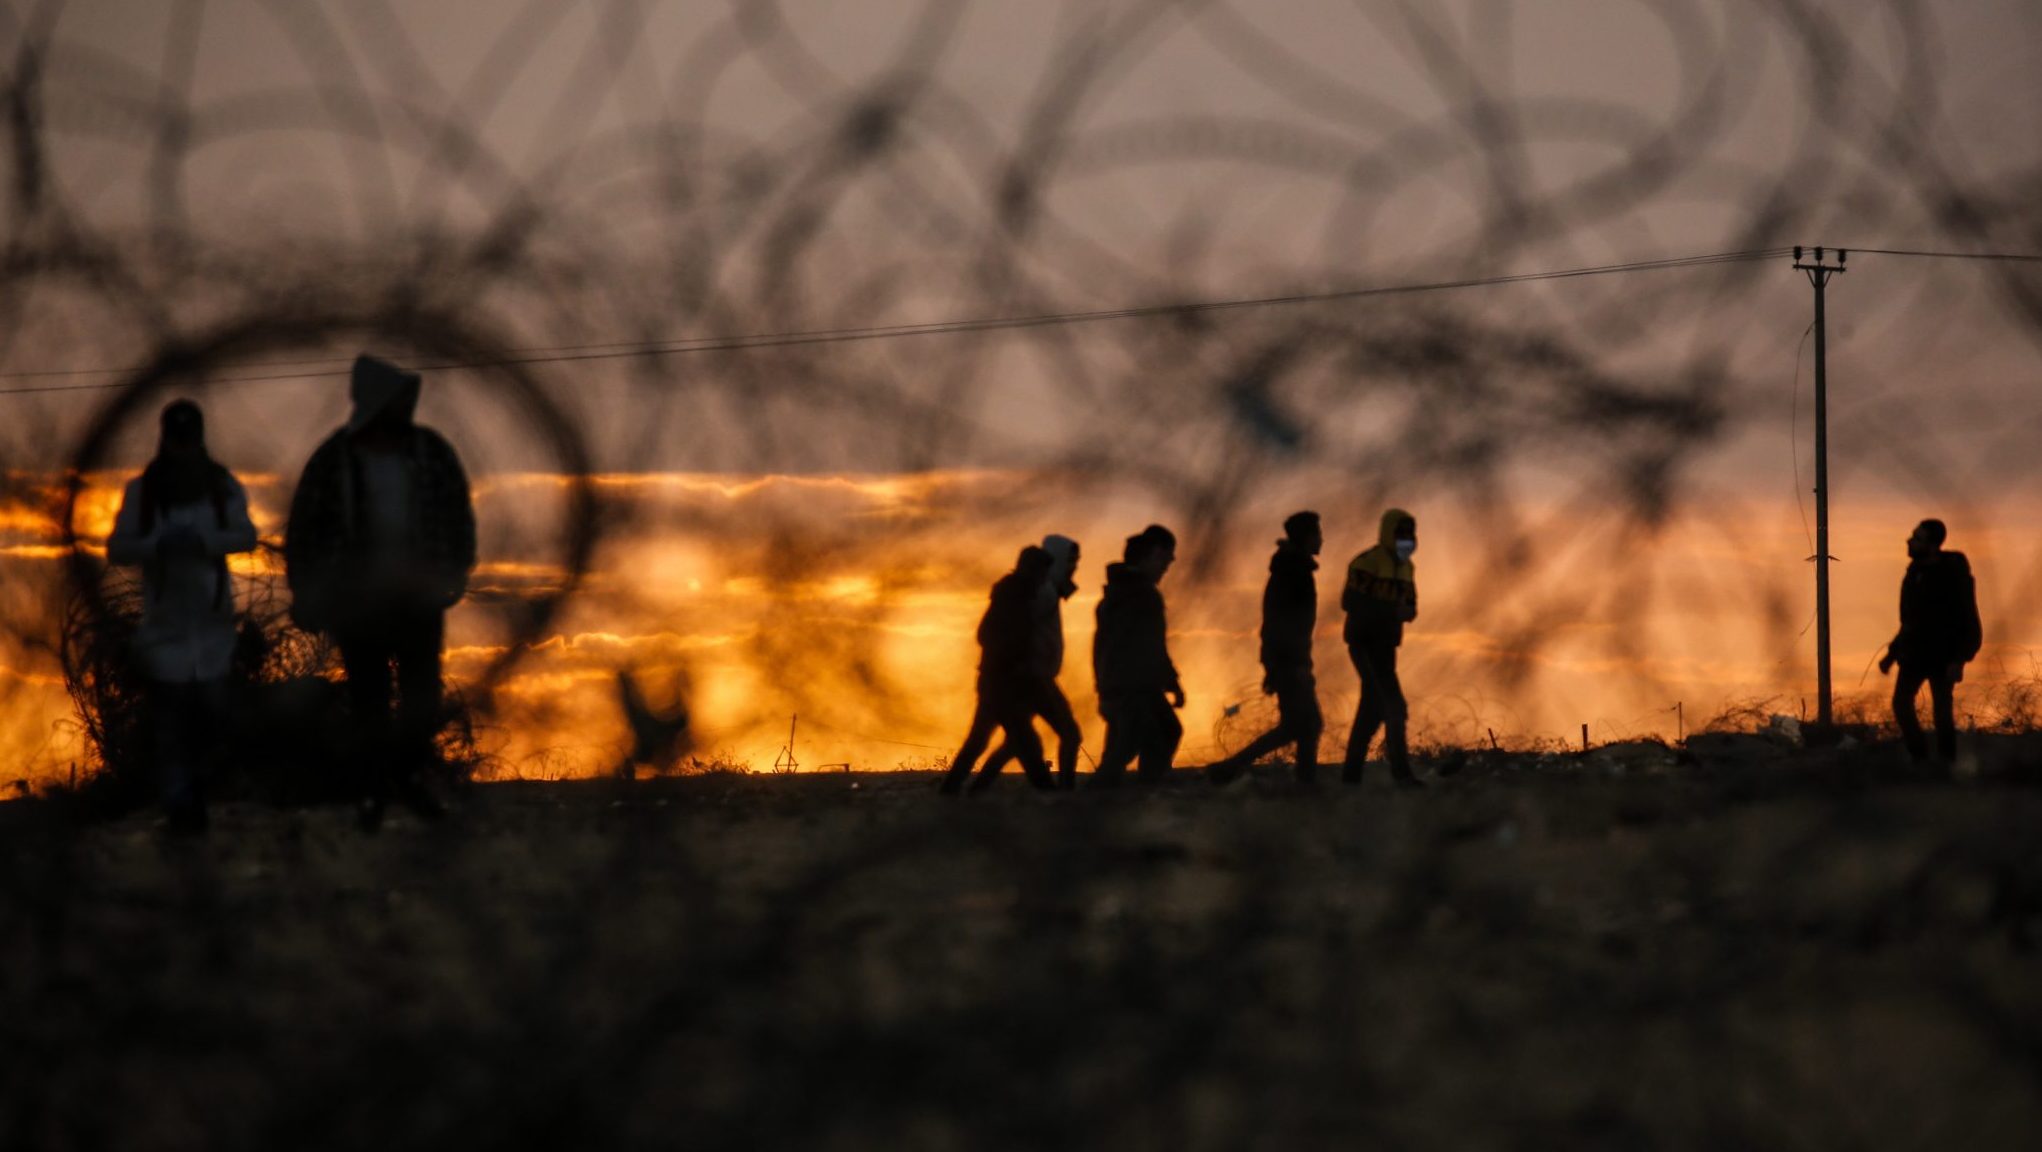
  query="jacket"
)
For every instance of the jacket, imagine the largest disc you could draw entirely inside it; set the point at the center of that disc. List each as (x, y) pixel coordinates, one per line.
(1130, 649)
(326, 552)
(1381, 593)
(1007, 632)
(1939, 622)
(187, 630)
(1290, 609)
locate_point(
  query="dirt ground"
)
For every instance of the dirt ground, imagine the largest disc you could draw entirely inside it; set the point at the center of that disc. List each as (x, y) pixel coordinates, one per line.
(1738, 947)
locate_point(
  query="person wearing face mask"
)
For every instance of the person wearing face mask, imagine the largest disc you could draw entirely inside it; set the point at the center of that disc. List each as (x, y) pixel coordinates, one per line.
(1040, 695)
(1290, 613)
(1380, 597)
(1139, 691)
(1939, 634)
(179, 521)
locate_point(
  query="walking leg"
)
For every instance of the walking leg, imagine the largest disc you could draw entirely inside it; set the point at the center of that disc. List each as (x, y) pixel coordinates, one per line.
(1906, 685)
(1302, 717)
(1396, 719)
(1121, 743)
(1368, 716)
(365, 658)
(1943, 694)
(975, 742)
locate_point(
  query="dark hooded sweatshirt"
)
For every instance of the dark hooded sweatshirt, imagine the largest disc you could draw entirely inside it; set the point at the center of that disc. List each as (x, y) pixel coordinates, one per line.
(1381, 590)
(1007, 632)
(1131, 650)
(1290, 609)
(327, 549)
(1938, 613)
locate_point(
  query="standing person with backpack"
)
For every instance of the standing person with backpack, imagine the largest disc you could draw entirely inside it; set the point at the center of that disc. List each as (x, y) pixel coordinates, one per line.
(1290, 614)
(1939, 634)
(179, 521)
(1380, 597)
(380, 544)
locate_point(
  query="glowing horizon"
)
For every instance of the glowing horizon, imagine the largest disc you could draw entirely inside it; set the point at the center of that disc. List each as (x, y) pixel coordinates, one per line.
(708, 617)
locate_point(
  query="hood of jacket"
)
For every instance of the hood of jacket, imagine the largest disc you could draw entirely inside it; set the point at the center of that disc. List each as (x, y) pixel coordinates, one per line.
(1063, 563)
(1289, 558)
(381, 391)
(1124, 579)
(1381, 561)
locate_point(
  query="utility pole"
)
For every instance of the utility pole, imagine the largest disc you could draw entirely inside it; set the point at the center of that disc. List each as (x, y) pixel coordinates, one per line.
(1819, 273)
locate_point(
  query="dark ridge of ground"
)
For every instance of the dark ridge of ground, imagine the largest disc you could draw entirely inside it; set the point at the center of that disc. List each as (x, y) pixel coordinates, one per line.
(1744, 946)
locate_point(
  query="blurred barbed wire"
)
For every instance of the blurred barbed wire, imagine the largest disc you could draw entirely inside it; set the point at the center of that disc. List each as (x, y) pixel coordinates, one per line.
(783, 241)
(620, 275)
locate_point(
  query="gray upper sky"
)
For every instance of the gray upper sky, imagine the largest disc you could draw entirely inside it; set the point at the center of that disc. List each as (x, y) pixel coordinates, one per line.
(704, 168)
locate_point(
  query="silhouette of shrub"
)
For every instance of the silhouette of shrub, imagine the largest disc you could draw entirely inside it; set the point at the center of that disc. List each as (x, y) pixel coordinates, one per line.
(288, 730)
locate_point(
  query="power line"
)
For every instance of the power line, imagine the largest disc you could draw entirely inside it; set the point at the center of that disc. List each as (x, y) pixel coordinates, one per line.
(625, 350)
(2016, 257)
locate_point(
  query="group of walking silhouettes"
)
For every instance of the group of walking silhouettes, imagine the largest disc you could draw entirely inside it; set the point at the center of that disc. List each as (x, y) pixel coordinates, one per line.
(381, 543)
(1021, 643)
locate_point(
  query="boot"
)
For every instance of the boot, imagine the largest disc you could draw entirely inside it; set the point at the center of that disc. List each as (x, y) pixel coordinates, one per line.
(1223, 772)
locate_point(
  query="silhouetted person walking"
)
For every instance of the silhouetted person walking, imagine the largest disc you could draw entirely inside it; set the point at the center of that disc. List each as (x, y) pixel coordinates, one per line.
(1040, 694)
(380, 544)
(179, 521)
(1006, 639)
(1139, 691)
(1290, 613)
(1939, 634)
(1380, 597)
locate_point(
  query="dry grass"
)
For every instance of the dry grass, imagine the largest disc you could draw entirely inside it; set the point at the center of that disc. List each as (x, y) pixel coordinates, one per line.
(290, 728)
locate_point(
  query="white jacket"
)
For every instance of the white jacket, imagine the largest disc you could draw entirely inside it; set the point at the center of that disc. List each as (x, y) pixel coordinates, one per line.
(187, 628)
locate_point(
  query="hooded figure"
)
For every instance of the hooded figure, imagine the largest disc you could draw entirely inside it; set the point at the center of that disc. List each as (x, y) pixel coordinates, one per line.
(179, 520)
(1139, 690)
(1290, 614)
(1007, 662)
(380, 544)
(1939, 634)
(1380, 597)
(381, 520)
(1040, 695)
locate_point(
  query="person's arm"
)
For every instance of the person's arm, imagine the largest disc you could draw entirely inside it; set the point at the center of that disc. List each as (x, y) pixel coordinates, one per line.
(237, 534)
(1103, 628)
(1970, 631)
(309, 534)
(129, 544)
(305, 524)
(1016, 623)
(1891, 655)
(462, 504)
(1301, 612)
(1174, 687)
(455, 515)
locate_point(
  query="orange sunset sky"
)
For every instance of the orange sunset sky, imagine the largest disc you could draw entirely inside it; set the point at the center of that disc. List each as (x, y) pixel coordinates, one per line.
(667, 255)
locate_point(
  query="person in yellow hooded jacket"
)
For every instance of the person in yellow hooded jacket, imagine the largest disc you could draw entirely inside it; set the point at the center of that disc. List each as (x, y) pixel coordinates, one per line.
(1380, 597)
